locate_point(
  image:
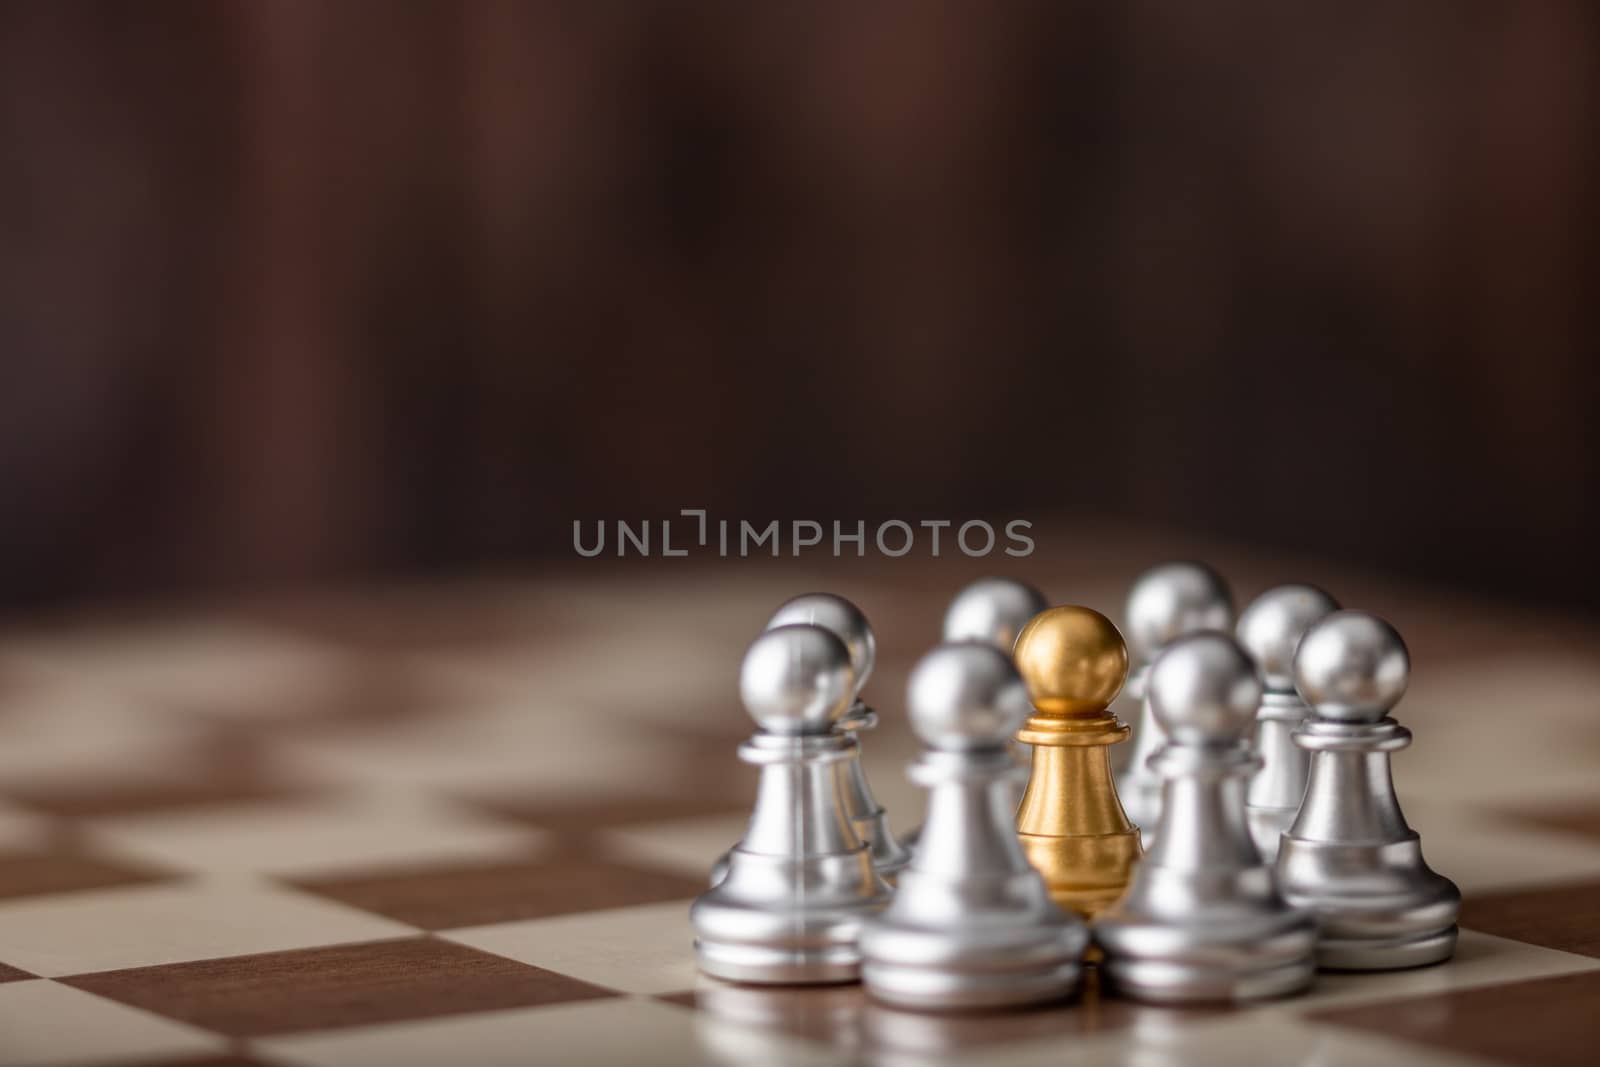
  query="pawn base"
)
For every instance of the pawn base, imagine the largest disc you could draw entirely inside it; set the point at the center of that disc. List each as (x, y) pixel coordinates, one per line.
(1171, 982)
(1381, 907)
(775, 920)
(998, 961)
(758, 965)
(1270, 953)
(1386, 954)
(921, 990)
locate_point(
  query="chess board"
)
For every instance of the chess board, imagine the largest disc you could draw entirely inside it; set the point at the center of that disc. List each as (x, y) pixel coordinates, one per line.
(462, 822)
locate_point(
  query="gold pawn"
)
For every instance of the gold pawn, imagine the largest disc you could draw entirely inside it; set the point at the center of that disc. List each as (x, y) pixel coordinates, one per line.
(1071, 823)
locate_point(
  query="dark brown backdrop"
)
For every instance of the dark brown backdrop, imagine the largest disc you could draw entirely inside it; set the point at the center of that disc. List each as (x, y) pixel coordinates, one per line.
(301, 290)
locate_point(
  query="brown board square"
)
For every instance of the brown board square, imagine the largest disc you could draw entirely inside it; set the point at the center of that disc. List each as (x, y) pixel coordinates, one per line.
(577, 817)
(206, 1061)
(1577, 817)
(1547, 1021)
(335, 986)
(222, 768)
(439, 898)
(1562, 917)
(26, 873)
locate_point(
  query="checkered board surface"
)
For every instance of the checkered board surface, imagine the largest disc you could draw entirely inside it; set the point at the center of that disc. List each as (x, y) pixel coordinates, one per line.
(462, 824)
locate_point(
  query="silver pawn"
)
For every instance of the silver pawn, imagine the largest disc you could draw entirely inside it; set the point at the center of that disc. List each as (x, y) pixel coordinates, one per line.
(847, 622)
(1166, 602)
(850, 625)
(990, 611)
(1350, 856)
(972, 924)
(1270, 629)
(1202, 919)
(800, 883)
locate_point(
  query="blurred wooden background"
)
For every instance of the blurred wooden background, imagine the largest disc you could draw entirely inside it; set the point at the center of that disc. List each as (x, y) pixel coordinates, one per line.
(303, 290)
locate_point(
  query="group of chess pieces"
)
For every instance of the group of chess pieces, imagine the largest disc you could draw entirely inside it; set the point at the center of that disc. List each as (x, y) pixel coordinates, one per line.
(1265, 840)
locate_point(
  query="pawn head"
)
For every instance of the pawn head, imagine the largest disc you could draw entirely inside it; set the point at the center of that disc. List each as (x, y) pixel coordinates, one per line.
(993, 611)
(839, 615)
(1352, 667)
(1271, 628)
(796, 680)
(1204, 689)
(1072, 660)
(1173, 599)
(966, 696)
